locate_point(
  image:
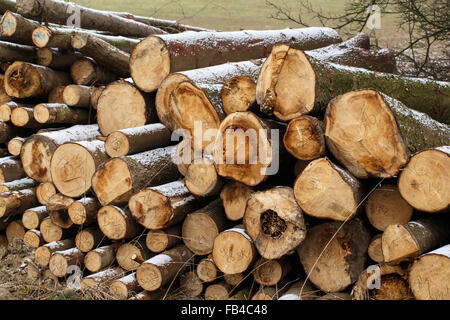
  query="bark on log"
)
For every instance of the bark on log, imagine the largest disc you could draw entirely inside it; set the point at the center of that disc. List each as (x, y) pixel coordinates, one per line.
(14, 230)
(326, 191)
(78, 96)
(274, 221)
(334, 268)
(271, 272)
(117, 224)
(88, 239)
(163, 268)
(125, 287)
(7, 132)
(4, 96)
(44, 192)
(56, 95)
(56, 59)
(190, 285)
(16, 52)
(119, 178)
(132, 254)
(74, 163)
(233, 250)
(121, 105)
(96, 95)
(234, 197)
(33, 238)
(25, 80)
(201, 178)
(16, 28)
(10, 169)
(164, 239)
(24, 118)
(162, 206)
(385, 206)
(16, 202)
(51, 232)
(424, 182)
(15, 145)
(207, 270)
(101, 279)
(61, 260)
(31, 218)
(157, 56)
(137, 139)
(379, 133)
(407, 241)
(100, 258)
(42, 254)
(201, 227)
(374, 250)
(84, 211)
(429, 275)
(19, 184)
(60, 12)
(59, 113)
(87, 72)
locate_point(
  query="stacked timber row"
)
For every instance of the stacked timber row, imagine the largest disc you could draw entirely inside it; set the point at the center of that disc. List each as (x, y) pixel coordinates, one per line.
(167, 161)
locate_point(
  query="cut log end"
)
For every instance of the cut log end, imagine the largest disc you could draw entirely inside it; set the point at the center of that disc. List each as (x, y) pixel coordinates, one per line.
(32, 238)
(207, 271)
(44, 192)
(20, 117)
(149, 277)
(93, 261)
(77, 213)
(15, 146)
(375, 251)
(129, 256)
(234, 197)
(9, 24)
(22, 80)
(117, 144)
(112, 222)
(58, 265)
(50, 231)
(85, 240)
(199, 231)
(304, 138)
(202, 179)
(44, 56)
(398, 244)
(220, 291)
(41, 36)
(157, 240)
(238, 94)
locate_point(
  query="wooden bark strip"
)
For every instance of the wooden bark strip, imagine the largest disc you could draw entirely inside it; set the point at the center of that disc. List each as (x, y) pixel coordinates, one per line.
(342, 261)
(24, 118)
(157, 56)
(407, 241)
(19, 184)
(137, 139)
(84, 211)
(16, 52)
(88, 239)
(25, 80)
(10, 169)
(102, 52)
(33, 238)
(132, 254)
(304, 138)
(424, 182)
(117, 224)
(119, 178)
(163, 239)
(58, 113)
(32, 217)
(324, 190)
(386, 131)
(78, 96)
(234, 197)
(162, 268)
(44, 192)
(274, 221)
(100, 258)
(61, 260)
(61, 12)
(125, 287)
(429, 274)
(16, 202)
(42, 254)
(56, 59)
(86, 71)
(101, 279)
(16, 28)
(15, 145)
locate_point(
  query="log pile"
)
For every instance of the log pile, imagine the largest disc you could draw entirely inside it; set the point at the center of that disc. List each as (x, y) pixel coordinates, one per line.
(305, 162)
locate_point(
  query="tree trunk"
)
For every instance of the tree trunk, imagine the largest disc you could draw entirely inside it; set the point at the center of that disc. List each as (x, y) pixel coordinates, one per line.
(78, 96)
(137, 139)
(233, 250)
(100, 258)
(157, 56)
(132, 254)
(24, 117)
(16, 28)
(74, 163)
(163, 268)
(201, 227)
(84, 211)
(190, 285)
(16, 52)
(333, 265)
(121, 106)
(15, 145)
(101, 279)
(164, 239)
(32, 218)
(234, 197)
(125, 287)
(372, 134)
(60, 12)
(59, 113)
(56, 59)
(33, 238)
(327, 80)
(407, 241)
(16, 202)
(42, 254)
(44, 192)
(374, 250)
(271, 272)
(162, 206)
(218, 291)
(207, 270)
(117, 224)
(429, 274)
(15, 230)
(119, 178)
(385, 206)
(201, 178)
(87, 72)
(10, 169)
(304, 138)
(19, 184)
(4, 97)
(274, 221)
(423, 183)
(61, 260)
(26, 80)
(88, 239)
(324, 190)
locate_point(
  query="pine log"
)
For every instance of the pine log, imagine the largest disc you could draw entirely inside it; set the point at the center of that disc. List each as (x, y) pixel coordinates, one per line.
(42, 254)
(11, 169)
(96, 95)
(7, 132)
(157, 56)
(16, 52)
(88, 239)
(247, 163)
(321, 80)
(190, 285)
(44, 192)
(374, 250)
(56, 95)
(121, 105)
(334, 255)
(274, 221)
(234, 197)
(116, 223)
(271, 272)
(33, 238)
(201, 227)
(163, 268)
(101, 279)
(125, 287)
(405, 242)
(74, 163)
(32, 218)
(201, 178)
(132, 254)
(163, 239)
(59, 113)
(16, 202)
(15, 145)
(218, 291)
(300, 291)
(7, 108)
(84, 211)
(373, 134)
(19, 184)
(119, 178)
(16, 28)
(61, 260)
(25, 80)
(24, 117)
(87, 72)
(233, 250)
(385, 206)
(162, 206)
(137, 139)
(77, 96)
(429, 275)
(52, 232)
(60, 12)
(207, 270)
(56, 59)
(324, 190)
(424, 182)
(14, 230)
(100, 258)
(304, 138)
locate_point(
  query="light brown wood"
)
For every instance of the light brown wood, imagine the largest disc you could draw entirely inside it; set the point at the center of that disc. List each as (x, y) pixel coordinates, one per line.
(207, 270)
(101, 279)
(33, 238)
(304, 138)
(374, 250)
(15, 230)
(57, 206)
(59, 113)
(238, 94)
(100, 258)
(87, 72)
(24, 117)
(14, 203)
(50, 231)
(274, 221)
(61, 260)
(32, 217)
(95, 95)
(10, 169)
(56, 95)
(84, 211)
(116, 223)
(235, 279)
(19, 184)
(163, 239)
(56, 58)
(15, 145)
(132, 254)
(234, 197)
(44, 192)
(190, 285)
(7, 107)
(218, 291)
(201, 178)
(16, 28)
(270, 272)
(125, 287)
(42, 254)
(88, 239)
